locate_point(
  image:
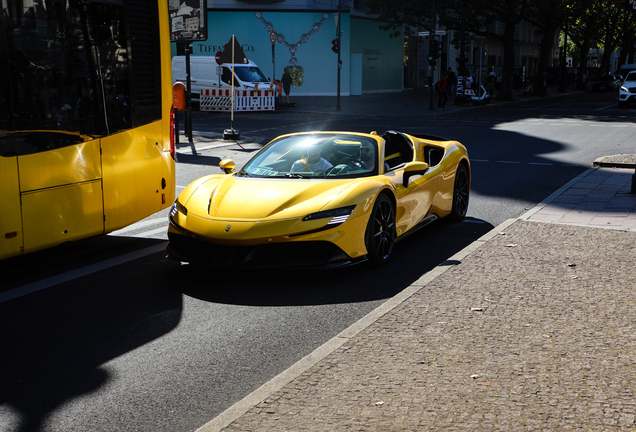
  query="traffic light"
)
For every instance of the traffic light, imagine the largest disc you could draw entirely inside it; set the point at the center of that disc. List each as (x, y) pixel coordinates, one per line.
(432, 51)
(335, 47)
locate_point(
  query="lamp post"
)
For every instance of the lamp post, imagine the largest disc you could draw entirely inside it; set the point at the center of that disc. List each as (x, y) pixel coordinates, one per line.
(338, 32)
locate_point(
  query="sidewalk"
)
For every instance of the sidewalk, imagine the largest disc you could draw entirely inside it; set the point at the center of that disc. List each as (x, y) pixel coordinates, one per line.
(532, 327)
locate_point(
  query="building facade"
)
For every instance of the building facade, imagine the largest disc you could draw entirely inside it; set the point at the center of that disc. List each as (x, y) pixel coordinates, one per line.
(371, 60)
(303, 31)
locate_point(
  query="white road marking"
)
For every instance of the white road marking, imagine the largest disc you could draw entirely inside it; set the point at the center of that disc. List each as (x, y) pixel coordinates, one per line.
(146, 234)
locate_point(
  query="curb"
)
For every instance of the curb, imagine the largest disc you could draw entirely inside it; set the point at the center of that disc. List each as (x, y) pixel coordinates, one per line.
(611, 162)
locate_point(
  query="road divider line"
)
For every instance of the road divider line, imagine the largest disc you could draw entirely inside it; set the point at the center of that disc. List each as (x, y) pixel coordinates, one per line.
(145, 234)
(78, 273)
(138, 225)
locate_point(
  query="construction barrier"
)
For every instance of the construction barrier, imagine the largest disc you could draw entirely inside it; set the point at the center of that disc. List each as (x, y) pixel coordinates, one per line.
(215, 100)
(244, 100)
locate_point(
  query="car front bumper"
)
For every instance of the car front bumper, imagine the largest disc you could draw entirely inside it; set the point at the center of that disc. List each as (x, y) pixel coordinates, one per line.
(627, 96)
(301, 254)
(258, 244)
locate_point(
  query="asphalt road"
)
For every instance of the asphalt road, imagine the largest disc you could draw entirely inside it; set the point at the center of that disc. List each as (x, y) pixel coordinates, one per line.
(107, 335)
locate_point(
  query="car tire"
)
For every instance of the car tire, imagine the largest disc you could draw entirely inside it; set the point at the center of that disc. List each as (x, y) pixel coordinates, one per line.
(380, 234)
(622, 104)
(461, 193)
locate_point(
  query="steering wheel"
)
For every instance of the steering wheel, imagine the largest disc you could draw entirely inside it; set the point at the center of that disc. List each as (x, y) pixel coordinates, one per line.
(338, 170)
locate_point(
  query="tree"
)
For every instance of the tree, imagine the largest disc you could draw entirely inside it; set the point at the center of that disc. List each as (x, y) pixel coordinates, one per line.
(548, 17)
(482, 18)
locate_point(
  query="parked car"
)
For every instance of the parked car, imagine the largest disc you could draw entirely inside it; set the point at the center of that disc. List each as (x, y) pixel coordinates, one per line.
(320, 199)
(605, 83)
(627, 92)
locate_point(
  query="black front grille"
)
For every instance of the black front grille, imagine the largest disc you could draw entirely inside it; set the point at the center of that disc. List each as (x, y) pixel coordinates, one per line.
(292, 254)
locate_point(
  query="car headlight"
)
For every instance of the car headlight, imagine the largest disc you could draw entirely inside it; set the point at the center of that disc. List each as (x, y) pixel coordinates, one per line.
(338, 216)
(177, 207)
(623, 88)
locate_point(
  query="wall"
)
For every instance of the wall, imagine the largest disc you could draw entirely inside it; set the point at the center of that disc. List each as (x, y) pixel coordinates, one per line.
(382, 56)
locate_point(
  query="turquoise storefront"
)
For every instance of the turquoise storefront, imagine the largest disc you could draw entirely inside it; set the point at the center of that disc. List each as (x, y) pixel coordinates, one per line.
(371, 61)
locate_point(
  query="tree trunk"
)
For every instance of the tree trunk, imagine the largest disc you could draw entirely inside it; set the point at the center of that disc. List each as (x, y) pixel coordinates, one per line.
(505, 91)
(540, 87)
(582, 75)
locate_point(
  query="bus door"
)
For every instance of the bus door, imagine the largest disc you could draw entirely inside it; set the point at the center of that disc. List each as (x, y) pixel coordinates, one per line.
(62, 186)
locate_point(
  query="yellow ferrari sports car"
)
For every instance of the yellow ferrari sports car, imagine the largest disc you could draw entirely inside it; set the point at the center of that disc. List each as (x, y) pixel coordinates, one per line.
(320, 199)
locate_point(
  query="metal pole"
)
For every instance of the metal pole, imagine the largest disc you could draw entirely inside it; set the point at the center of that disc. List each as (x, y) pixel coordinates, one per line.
(188, 117)
(339, 48)
(431, 104)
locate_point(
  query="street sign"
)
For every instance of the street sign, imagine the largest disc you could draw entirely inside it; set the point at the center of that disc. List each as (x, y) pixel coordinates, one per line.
(424, 33)
(188, 20)
(440, 32)
(217, 57)
(272, 37)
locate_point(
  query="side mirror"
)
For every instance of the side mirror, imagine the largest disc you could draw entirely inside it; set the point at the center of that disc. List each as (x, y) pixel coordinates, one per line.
(227, 165)
(413, 168)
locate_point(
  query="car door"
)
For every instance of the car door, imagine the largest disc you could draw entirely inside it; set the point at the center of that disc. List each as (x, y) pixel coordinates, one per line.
(414, 199)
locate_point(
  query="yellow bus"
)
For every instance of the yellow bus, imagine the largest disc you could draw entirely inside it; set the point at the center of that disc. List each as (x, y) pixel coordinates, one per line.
(86, 140)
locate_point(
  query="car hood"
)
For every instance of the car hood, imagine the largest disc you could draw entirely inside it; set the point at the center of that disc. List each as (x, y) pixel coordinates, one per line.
(229, 197)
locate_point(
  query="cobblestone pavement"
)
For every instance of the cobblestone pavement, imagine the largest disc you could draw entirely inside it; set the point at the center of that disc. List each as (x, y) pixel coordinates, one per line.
(529, 329)
(532, 331)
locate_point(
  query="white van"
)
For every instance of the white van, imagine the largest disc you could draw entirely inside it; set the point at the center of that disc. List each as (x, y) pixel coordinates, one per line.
(203, 74)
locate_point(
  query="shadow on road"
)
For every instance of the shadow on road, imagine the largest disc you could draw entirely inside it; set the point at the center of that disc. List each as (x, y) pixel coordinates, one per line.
(411, 258)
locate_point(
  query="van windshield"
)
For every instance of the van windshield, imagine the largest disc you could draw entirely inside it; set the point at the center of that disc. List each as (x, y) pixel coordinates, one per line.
(250, 74)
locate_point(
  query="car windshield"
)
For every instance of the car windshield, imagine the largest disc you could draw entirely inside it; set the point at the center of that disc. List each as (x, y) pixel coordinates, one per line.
(631, 76)
(250, 74)
(310, 156)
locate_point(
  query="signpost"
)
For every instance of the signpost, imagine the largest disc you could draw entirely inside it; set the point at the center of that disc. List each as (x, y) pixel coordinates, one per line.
(187, 24)
(272, 39)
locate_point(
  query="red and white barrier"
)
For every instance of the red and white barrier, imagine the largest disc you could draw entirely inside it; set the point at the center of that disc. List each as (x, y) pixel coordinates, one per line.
(215, 100)
(244, 100)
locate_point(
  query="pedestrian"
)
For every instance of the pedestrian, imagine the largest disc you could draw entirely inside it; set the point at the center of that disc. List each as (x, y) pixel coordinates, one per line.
(451, 81)
(490, 83)
(286, 80)
(517, 82)
(468, 80)
(442, 96)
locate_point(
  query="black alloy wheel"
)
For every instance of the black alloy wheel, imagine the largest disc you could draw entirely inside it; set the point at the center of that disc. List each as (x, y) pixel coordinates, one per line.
(460, 193)
(380, 234)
